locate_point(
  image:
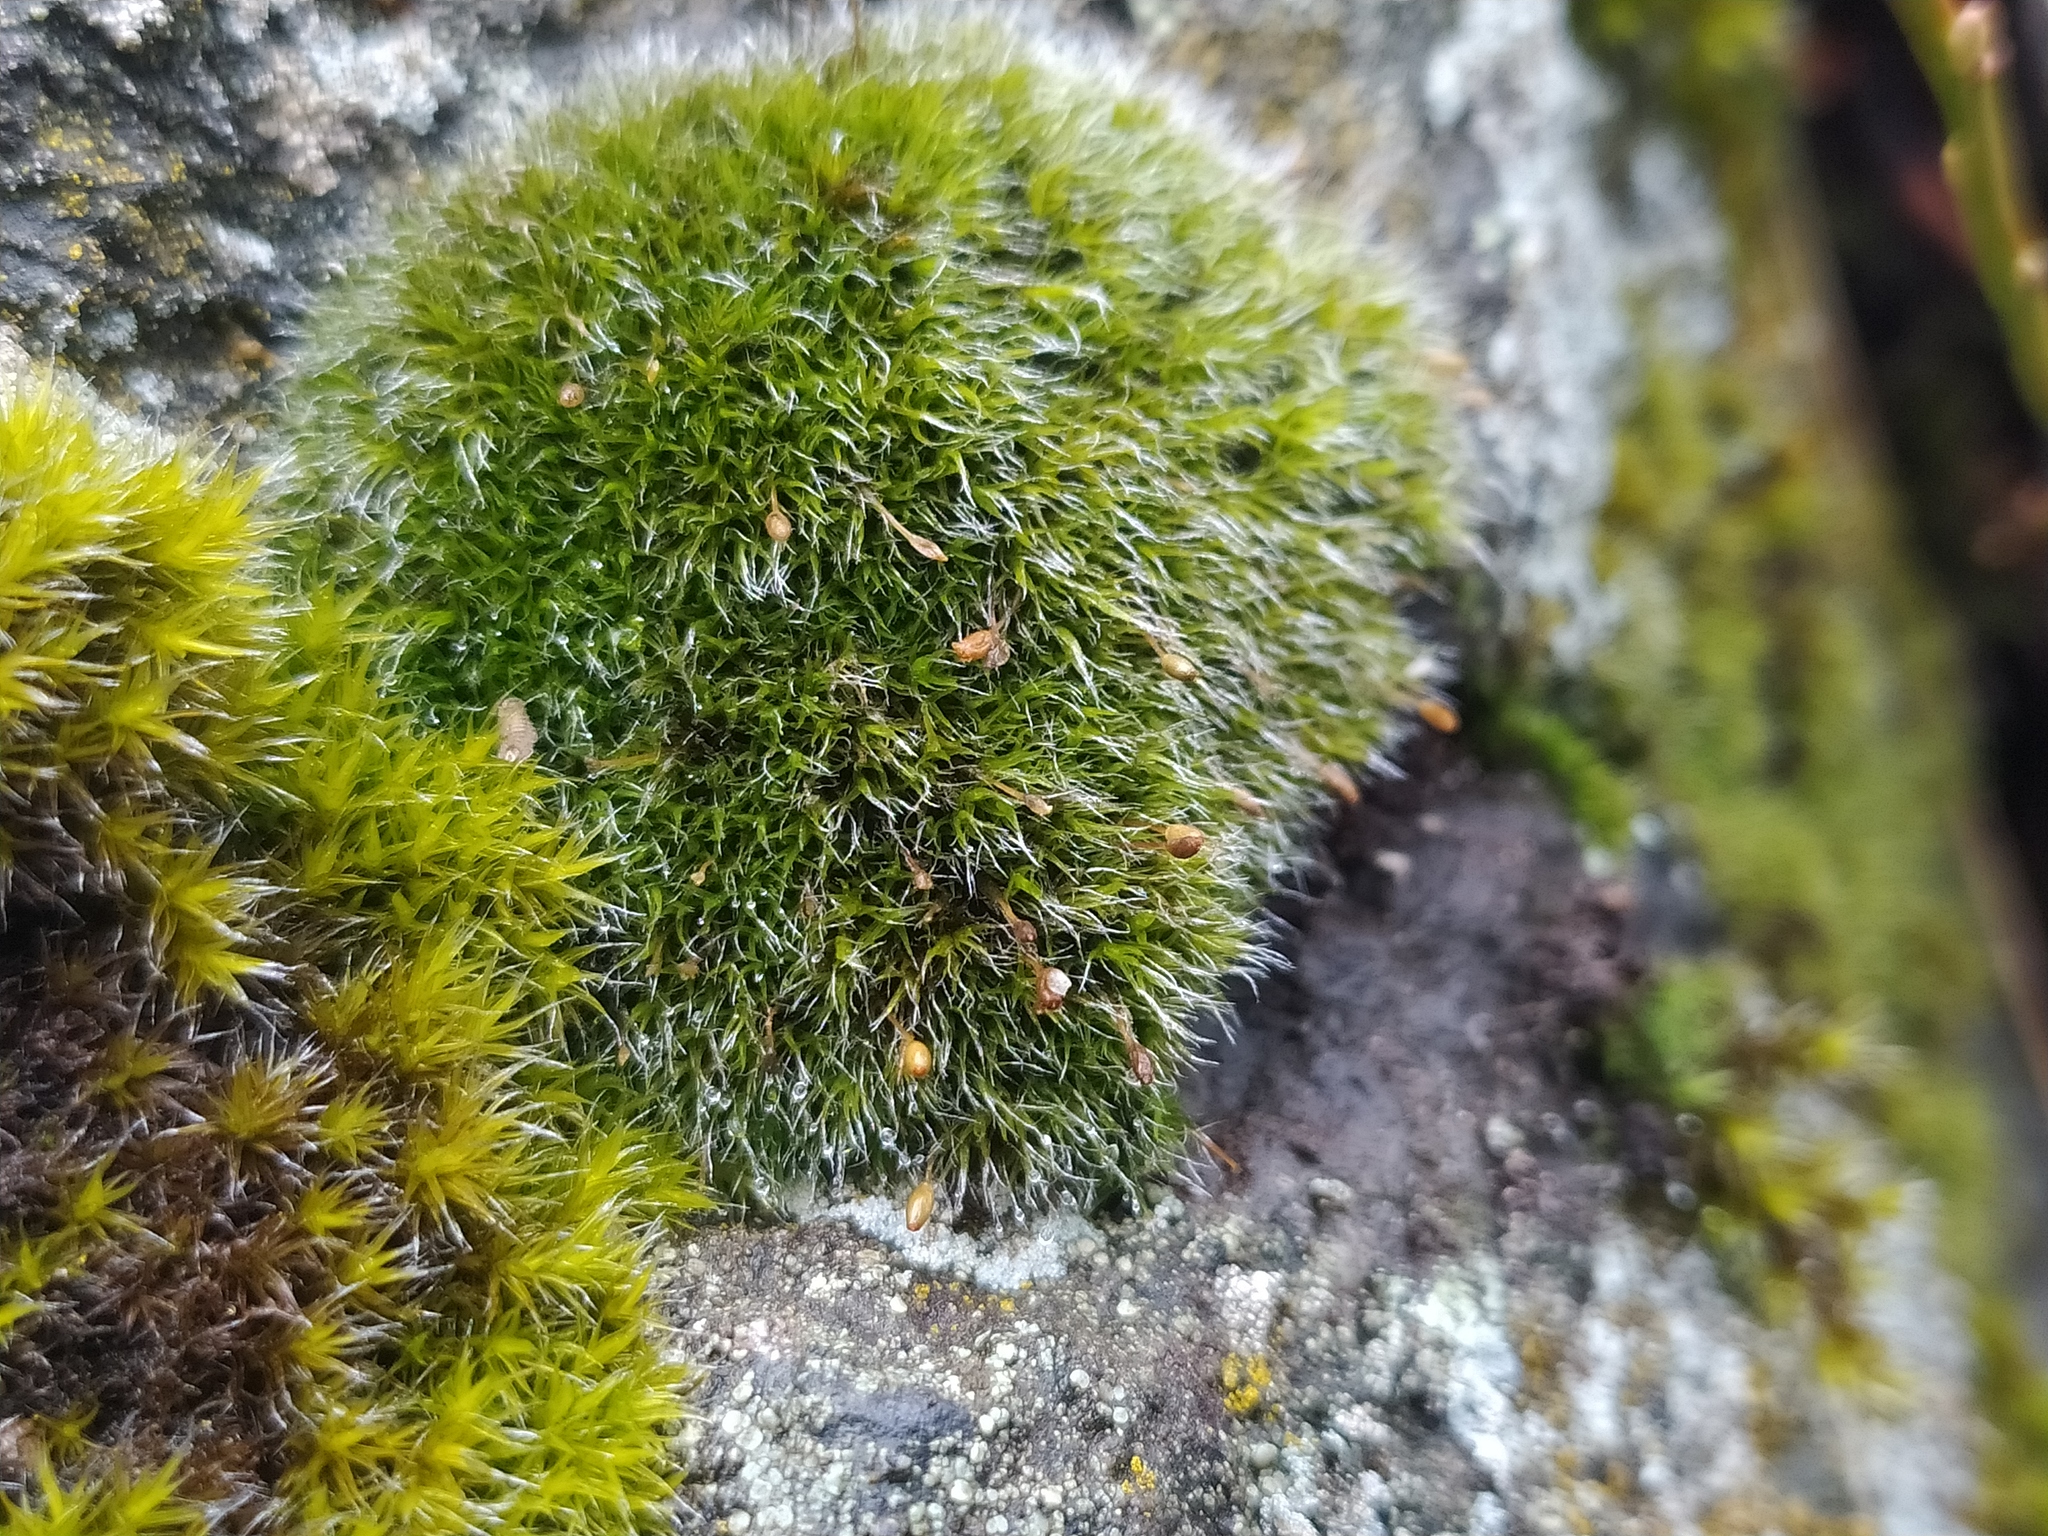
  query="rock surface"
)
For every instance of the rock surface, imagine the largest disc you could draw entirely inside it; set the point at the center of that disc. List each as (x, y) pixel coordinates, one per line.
(1428, 1297)
(1474, 144)
(174, 173)
(1409, 1294)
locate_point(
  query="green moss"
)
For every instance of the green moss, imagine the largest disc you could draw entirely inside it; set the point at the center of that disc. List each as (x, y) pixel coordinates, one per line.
(1770, 684)
(297, 1229)
(1783, 1200)
(2014, 1393)
(113, 1505)
(716, 426)
(1516, 731)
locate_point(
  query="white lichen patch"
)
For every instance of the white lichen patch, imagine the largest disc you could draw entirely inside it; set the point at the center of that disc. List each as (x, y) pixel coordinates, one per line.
(1465, 1309)
(125, 23)
(1910, 1455)
(995, 1261)
(1658, 1376)
(1247, 1303)
(336, 84)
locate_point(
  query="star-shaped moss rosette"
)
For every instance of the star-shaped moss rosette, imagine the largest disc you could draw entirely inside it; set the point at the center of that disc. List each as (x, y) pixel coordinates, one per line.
(944, 521)
(298, 1229)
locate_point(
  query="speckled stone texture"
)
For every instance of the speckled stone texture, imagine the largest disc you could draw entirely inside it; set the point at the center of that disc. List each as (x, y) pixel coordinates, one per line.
(1408, 1295)
(173, 173)
(1473, 143)
(1436, 1293)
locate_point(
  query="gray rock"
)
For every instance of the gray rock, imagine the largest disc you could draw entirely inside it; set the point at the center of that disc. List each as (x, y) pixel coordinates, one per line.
(1445, 1359)
(173, 173)
(1466, 140)
(1479, 1344)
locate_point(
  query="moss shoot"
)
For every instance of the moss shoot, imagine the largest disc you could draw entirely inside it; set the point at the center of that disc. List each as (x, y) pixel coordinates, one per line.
(943, 526)
(296, 1236)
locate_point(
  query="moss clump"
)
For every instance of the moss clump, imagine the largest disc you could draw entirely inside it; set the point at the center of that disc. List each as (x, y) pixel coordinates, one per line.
(290, 1242)
(942, 526)
(1784, 1197)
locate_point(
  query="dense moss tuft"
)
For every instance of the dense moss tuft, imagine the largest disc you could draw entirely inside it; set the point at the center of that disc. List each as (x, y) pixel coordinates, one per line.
(944, 527)
(293, 1236)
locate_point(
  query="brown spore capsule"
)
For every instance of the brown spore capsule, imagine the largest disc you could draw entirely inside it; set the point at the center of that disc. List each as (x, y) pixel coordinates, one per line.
(517, 737)
(1143, 1067)
(916, 541)
(1437, 715)
(777, 521)
(914, 1057)
(976, 645)
(1021, 928)
(1178, 667)
(917, 1210)
(1053, 986)
(569, 396)
(1184, 841)
(1338, 781)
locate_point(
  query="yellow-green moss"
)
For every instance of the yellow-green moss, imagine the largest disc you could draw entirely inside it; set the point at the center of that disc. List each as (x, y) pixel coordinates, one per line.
(300, 1230)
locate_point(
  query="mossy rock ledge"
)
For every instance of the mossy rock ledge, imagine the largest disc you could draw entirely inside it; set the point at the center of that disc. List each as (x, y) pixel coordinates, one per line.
(1437, 1272)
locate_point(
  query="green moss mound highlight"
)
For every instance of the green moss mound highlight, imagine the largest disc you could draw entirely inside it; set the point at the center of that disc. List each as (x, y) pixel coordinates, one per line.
(943, 527)
(297, 1234)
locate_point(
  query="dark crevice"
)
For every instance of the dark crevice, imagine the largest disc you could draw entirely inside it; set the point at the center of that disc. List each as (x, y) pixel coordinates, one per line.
(1971, 463)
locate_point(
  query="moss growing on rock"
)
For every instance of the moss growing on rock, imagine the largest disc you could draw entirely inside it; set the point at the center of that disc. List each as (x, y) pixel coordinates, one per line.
(1789, 692)
(943, 525)
(295, 1236)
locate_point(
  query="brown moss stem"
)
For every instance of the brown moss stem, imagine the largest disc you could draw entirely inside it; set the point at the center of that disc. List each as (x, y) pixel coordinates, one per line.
(1966, 52)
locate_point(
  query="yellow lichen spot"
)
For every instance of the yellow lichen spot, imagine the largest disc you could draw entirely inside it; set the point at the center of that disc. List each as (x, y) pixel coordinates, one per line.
(76, 251)
(1142, 1479)
(1243, 1378)
(1007, 1305)
(177, 171)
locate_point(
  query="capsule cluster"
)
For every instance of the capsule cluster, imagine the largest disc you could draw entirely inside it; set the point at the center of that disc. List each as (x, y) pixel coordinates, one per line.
(978, 515)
